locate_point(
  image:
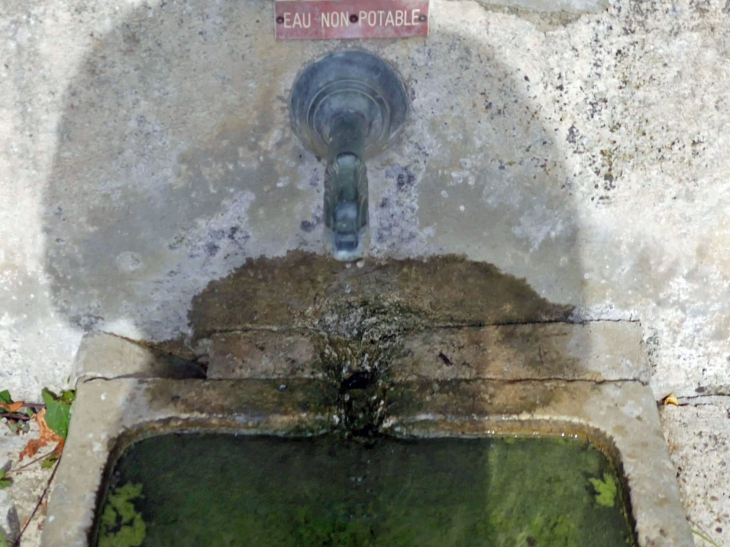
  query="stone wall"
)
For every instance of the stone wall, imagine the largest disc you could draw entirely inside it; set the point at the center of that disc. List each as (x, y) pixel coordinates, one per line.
(145, 151)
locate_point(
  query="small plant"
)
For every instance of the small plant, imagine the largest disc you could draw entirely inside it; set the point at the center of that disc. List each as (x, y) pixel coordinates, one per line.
(58, 411)
(10, 410)
(696, 532)
(53, 418)
(605, 490)
(4, 481)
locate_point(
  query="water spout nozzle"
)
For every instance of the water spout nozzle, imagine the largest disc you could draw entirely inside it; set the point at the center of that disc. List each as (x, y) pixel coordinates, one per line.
(346, 207)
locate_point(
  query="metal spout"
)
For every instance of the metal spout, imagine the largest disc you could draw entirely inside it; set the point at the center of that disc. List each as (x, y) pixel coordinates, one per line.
(346, 190)
(347, 107)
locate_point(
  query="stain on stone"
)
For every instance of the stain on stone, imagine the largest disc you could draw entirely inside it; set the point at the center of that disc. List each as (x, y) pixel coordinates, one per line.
(305, 290)
(358, 380)
(356, 369)
(573, 135)
(253, 397)
(358, 316)
(358, 319)
(307, 226)
(545, 16)
(86, 321)
(403, 176)
(469, 397)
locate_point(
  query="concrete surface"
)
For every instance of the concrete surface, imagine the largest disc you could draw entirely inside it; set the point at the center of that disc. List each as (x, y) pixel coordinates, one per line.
(18, 500)
(704, 481)
(145, 151)
(102, 355)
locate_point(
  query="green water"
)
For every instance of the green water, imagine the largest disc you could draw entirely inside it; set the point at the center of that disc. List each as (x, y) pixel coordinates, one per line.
(228, 491)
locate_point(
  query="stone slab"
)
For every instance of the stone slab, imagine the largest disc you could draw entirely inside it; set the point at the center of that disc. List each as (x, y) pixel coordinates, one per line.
(598, 351)
(261, 354)
(306, 290)
(698, 435)
(103, 355)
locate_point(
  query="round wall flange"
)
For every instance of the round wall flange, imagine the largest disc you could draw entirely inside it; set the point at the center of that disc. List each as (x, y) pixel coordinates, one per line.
(354, 82)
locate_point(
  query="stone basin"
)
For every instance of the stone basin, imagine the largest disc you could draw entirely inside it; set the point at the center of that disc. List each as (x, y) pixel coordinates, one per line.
(302, 348)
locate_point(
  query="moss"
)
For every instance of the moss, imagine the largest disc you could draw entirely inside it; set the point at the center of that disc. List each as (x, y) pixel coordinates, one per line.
(559, 531)
(605, 490)
(520, 514)
(303, 290)
(357, 344)
(121, 524)
(330, 492)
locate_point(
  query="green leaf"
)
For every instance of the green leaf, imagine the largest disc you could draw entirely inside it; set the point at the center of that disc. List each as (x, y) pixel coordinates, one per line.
(605, 490)
(3, 543)
(58, 413)
(4, 482)
(14, 426)
(68, 396)
(5, 398)
(50, 461)
(121, 523)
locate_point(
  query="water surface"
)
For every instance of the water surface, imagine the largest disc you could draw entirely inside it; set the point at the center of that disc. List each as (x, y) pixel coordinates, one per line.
(181, 490)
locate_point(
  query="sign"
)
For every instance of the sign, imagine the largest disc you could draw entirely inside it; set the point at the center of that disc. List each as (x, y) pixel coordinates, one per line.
(332, 20)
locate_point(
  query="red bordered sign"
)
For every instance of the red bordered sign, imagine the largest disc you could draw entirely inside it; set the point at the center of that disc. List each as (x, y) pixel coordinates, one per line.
(331, 20)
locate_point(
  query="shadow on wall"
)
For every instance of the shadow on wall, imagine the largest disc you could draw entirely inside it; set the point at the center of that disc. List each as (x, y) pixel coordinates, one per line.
(176, 164)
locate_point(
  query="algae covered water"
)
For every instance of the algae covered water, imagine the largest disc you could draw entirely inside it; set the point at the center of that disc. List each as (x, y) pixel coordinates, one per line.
(181, 490)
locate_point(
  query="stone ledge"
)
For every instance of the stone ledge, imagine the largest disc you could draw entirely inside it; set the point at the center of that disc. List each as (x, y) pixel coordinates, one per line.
(597, 351)
(102, 355)
(621, 415)
(261, 354)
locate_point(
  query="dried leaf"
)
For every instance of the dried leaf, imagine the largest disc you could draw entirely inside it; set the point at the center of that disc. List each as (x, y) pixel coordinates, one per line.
(58, 451)
(12, 407)
(47, 433)
(32, 448)
(47, 436)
